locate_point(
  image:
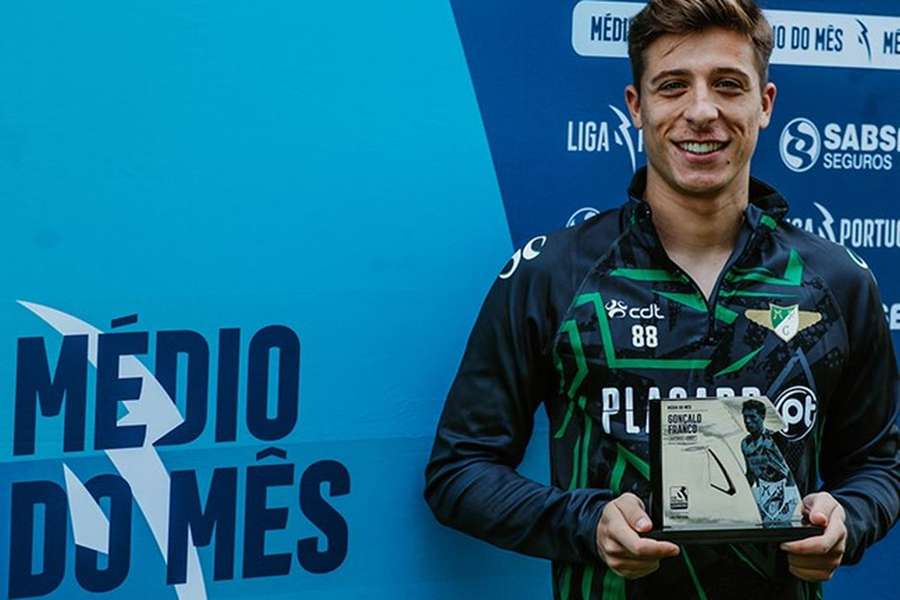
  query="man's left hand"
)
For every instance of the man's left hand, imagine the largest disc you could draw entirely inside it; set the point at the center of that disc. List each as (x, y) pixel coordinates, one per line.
(816, 558)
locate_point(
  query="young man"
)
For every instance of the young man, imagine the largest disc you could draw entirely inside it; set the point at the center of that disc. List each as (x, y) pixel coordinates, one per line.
(696, 286)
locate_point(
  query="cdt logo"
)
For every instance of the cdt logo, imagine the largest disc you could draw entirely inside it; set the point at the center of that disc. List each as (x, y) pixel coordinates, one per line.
(616, 309)
(800, 145)
(797, 407)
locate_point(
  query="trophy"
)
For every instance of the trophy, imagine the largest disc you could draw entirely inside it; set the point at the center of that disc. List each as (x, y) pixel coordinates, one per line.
(717, 474)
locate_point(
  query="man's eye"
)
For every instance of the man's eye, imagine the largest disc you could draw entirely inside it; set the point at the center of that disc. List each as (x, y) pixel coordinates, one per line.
(729, 84)
(669, 86)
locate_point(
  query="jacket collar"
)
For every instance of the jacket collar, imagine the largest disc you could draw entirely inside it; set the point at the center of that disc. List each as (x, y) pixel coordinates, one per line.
(766, 206)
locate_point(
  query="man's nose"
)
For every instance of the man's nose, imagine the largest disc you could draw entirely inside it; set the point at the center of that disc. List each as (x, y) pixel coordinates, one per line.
(702, 109)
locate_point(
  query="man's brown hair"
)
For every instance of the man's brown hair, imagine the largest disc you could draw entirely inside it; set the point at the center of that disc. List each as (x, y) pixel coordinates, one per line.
(661, 17)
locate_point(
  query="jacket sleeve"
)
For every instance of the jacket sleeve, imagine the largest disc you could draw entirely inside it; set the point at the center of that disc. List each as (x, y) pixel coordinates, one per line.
(471, 479)
(860, 465)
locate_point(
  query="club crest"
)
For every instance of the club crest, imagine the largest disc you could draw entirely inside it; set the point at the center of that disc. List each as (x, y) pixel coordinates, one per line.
(785, 321)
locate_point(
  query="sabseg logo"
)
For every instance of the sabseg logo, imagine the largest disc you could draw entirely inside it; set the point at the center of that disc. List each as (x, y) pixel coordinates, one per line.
(797, 407)
(594, 136)
(847, 146)
(892, 314)
(800, 145)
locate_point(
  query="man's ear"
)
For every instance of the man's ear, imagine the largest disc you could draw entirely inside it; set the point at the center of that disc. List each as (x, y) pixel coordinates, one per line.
(768, 103)
(633, 101)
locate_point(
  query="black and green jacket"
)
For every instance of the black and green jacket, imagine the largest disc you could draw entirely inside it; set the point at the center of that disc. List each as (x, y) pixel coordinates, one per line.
(594, 322)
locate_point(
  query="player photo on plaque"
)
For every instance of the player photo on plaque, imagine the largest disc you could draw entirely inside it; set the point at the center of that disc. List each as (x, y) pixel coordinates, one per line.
(718, 475)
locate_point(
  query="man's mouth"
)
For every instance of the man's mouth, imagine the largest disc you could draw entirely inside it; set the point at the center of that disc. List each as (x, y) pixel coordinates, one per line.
(701, 148)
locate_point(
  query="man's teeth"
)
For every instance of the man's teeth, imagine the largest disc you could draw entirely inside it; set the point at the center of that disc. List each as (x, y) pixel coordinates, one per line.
(701, 148)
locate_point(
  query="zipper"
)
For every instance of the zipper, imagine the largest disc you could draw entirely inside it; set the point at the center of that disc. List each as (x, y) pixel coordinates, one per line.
(735, 258)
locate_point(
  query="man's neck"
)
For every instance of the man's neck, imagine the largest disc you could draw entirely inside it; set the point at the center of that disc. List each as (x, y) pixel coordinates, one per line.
(689, 223)
(698, 234)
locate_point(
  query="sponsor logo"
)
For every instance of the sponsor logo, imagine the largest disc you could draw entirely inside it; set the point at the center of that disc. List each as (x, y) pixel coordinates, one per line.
(800, 145)
(678, 497)
(863, 38)
(785, 321)
(852, 233)
(840, 146)
(581, 215)
(797, 408)
(626, 409)
(529, 251)
(616, 309)
(892, 314)
(594, 136)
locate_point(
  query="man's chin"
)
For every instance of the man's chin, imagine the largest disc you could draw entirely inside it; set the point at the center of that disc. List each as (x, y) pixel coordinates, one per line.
(702, 186)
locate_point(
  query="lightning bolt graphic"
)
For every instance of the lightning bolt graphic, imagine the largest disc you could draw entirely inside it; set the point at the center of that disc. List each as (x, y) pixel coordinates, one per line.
(825, 229)
(141, 467)
(863, 38)
(624, 126)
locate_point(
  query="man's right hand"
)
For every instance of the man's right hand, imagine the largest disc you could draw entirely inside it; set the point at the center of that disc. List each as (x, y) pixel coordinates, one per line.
(619, 544)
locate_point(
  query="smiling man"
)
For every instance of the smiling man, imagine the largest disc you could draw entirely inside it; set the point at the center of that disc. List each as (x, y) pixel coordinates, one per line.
(697, 286)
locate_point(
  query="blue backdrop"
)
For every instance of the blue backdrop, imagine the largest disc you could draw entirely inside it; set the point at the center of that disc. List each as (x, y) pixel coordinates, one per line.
(303, 206)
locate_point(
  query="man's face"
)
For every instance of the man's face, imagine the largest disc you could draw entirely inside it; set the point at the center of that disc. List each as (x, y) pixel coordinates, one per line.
(701, 108)
(753, 421)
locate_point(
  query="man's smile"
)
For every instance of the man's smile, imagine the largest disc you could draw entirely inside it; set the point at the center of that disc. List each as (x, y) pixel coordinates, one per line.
(701, 148)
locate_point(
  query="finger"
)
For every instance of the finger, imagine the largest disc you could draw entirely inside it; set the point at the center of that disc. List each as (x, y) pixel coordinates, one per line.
(632, 508)
(829, 562)
(833, 537)
(819, 507)
(632, 569)
(610, 548)
(812, 574)
(643, 548)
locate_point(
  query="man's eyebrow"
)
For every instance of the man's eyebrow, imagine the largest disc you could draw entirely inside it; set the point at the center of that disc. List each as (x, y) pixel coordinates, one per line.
(731, 71)
(669, 73)
(718, 71)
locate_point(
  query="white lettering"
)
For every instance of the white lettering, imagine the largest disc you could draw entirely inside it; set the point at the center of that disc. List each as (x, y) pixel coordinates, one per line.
(610, 398)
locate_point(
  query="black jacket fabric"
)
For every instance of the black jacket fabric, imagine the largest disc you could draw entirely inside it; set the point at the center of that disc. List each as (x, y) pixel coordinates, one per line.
(593, 323)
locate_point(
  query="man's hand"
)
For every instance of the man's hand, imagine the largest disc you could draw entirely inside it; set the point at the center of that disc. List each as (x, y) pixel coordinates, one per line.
(619, 544)
(816, 558)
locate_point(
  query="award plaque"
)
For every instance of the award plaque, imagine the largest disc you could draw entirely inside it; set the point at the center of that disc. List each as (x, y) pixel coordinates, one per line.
(717, 474)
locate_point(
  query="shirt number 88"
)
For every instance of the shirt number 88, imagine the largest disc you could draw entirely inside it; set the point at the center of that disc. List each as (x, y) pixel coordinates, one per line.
(644, 336)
